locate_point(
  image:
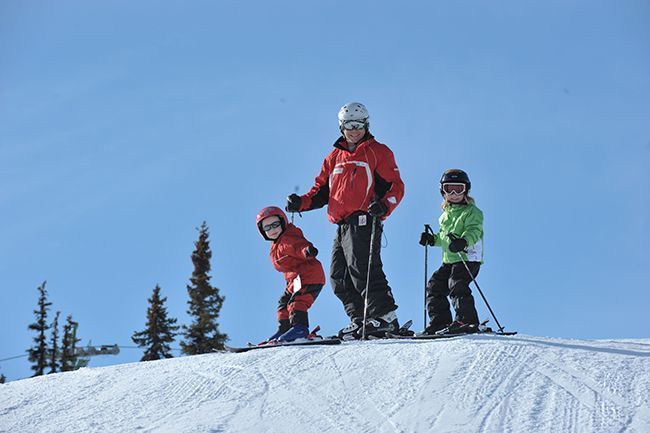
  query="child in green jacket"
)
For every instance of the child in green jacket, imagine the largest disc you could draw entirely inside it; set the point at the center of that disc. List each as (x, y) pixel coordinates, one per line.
(461, 235)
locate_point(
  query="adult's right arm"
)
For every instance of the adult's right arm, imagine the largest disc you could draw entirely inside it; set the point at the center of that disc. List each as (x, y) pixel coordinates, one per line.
(319, 195)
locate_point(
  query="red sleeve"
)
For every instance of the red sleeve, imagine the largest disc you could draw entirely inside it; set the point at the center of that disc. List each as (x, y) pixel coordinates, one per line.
(294, 243)
(318, 195)
(388, 170)
(298, 246)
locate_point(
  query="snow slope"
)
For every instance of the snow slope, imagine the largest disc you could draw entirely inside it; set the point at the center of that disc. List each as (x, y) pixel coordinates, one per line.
(468, 384)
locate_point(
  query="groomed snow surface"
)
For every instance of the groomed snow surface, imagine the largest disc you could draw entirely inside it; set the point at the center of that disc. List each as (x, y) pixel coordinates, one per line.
(477, 383)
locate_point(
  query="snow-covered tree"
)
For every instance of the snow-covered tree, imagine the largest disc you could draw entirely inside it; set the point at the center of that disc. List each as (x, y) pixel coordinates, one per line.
(38, 352)
(160, 330)
(202, 335)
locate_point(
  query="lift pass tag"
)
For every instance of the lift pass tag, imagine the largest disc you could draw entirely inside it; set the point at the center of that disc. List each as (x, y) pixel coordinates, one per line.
(362, 220)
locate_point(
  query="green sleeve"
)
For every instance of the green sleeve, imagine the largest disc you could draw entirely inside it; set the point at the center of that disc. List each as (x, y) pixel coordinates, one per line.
(473, 227)
(436, 241)
(442, 241)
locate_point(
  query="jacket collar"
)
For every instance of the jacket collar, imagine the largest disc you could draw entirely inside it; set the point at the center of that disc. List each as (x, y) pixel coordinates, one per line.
(340, 142)
(289, 228)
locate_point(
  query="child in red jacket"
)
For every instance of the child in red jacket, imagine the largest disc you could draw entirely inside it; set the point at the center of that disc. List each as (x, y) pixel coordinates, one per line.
(295, 257)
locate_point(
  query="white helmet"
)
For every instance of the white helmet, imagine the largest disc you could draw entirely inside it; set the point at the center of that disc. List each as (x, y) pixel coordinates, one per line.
(353, 114)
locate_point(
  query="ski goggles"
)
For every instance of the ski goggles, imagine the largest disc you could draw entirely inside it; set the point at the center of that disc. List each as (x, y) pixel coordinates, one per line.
(453, 188)
(353, 124)
(273, 225)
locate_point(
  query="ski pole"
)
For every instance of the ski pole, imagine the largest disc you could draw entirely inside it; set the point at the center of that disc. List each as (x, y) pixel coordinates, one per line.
(481, 292)
(292, 214)
(372, 251)
(427, 229)
(295, 191)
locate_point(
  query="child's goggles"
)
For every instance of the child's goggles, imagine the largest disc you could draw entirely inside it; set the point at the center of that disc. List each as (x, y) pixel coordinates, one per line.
(354, 124)
(273, 225)
(453, 188)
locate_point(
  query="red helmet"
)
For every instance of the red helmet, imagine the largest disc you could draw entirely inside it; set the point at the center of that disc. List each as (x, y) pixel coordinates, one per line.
(269, 212)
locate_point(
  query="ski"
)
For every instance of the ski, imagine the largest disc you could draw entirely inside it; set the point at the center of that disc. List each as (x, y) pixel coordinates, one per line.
(300, 342)
(313, 339)
(481, 329)
(444, 336)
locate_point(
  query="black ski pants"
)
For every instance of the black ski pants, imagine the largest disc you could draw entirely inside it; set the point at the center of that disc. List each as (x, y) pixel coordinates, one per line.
(349, 270)
(452, 280)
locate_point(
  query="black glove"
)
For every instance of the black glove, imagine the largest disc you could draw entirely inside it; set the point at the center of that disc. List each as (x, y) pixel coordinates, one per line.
(293, 203)
(377, 208)
(457, 244)
(310, 251)
(427, 238)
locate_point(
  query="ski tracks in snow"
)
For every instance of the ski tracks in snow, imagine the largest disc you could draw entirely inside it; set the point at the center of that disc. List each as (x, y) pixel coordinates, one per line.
(566, 390)
(475, 383)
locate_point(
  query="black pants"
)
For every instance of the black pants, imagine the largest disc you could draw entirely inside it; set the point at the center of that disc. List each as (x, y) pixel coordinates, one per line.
(452, 280)
(349, 270)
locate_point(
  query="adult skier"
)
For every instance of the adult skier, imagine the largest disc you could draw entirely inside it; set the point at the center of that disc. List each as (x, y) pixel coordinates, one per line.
(461, 235)
(360, 183)
(295, 257)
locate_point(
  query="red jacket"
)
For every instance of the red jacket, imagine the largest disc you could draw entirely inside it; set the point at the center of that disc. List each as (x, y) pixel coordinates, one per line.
(350, 181)
(288, 256)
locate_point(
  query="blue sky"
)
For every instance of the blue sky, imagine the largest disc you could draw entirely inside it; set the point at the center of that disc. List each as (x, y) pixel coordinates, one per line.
(125, 125)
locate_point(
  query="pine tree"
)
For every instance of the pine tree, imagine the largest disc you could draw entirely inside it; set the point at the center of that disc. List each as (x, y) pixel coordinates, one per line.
(38, 353)
(203, 336)
(54, 345)
(160, 330)
(70, 340)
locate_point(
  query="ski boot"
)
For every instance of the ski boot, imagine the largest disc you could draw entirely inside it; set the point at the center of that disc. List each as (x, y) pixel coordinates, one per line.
(351, 331)
(458, 327)
(432, 329)
(380, 326)
(283, 327)
(296, 331)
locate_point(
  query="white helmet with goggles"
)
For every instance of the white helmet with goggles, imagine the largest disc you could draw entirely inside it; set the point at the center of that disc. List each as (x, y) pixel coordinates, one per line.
(353, 115)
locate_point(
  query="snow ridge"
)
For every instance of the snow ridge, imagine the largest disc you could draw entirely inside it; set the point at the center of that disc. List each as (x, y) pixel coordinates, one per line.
(476, 383)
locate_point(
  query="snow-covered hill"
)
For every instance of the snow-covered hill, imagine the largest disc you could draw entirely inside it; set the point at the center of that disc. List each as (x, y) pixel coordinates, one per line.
(469, 384)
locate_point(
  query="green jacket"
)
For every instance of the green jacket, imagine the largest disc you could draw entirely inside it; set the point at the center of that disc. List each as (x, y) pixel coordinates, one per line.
(465, 221)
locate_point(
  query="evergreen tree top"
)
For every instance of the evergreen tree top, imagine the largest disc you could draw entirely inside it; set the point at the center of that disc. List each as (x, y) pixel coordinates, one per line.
(160, 330)
(204, 304)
